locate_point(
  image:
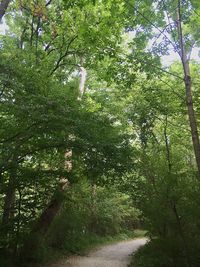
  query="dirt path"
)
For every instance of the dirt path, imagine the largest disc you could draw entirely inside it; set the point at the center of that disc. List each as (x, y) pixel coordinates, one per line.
(115, 255)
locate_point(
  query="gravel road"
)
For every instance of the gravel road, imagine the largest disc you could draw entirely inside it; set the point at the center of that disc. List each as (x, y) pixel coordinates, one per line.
(115, 255)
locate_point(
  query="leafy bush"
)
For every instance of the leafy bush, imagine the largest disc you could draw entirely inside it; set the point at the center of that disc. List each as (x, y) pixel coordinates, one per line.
(89, 213)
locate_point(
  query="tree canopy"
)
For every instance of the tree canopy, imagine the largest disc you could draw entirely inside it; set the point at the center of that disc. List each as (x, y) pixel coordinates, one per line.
(98, 134)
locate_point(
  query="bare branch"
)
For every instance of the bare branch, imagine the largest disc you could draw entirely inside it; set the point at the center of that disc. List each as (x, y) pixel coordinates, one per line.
(48, 3)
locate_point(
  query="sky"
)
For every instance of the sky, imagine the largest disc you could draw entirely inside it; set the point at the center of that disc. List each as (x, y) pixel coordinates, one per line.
(169, 59)
(3, 27)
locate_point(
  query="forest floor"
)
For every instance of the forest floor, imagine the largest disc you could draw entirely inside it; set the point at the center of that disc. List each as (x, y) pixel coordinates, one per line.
(114, 255)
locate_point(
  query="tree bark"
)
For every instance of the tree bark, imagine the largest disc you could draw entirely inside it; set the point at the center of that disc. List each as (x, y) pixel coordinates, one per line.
(192, 120)
(3, 7)
(83, 75)
(48, 215)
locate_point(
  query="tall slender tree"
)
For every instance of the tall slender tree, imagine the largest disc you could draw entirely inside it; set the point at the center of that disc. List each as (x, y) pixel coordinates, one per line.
(169, 31)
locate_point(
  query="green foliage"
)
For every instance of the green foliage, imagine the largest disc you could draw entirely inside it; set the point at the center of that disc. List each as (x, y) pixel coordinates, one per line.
(124, 146)
(41, 119)
(91, 212)
(90, 215)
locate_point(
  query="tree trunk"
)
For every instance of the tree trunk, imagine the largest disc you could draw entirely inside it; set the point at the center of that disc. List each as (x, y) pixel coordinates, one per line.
(181, 233)
(7, 223)
(167, 146)
(48, 215)
(38, 232)
(192, 120)
(3, 6)
(174, 208)
(8, 210)
(83, 75)
(188, 90)
(8, 203)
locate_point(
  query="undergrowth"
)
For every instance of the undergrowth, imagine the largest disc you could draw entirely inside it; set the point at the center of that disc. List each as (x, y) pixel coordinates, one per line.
(85, 244)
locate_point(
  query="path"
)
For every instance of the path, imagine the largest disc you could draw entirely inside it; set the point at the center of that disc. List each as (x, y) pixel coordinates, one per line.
(115, 255)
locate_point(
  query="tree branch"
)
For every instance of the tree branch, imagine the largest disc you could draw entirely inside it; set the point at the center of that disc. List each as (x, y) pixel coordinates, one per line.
(64, 55)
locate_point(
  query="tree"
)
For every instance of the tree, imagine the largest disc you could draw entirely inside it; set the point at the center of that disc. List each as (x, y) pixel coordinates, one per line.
(171, 25)
(42, 118)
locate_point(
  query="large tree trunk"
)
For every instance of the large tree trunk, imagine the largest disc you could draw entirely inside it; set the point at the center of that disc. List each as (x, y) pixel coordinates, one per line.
(188, 90)
(38, 233)
(48, 215)
(3, 6)
(83, 75)
(55, 204)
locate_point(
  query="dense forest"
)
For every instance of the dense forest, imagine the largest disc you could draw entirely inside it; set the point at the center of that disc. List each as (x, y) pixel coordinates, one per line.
(99, 128)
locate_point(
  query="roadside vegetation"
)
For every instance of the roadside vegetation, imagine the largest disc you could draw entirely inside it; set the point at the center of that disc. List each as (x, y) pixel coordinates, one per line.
(99, 133)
